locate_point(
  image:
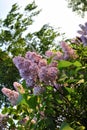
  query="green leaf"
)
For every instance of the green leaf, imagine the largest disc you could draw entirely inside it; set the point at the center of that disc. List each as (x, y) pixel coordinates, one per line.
(20, 98)
(77, 64)
(31, 6)
(64, 64)
(80, 81)
(32, 102)
(5, 110)
(65, 126)
(70, 90)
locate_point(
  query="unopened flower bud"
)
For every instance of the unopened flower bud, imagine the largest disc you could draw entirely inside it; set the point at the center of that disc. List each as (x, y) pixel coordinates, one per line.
(18, 87)
(11, 94)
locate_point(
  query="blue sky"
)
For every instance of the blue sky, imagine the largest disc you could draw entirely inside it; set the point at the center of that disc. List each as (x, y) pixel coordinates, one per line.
(53, 12)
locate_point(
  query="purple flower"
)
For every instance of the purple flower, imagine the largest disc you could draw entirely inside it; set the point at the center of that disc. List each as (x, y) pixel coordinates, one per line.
(82, 26)
(53, 64)
(83, 33)
(21, 62)
(18, 87)
(48, 74)
(11, 94)
(34, 69)
(33, 56)
(58, 56)
(42, 63)
(49, 54)
(30, 81)
(37, 90)
(18, 61)
(68, 51)
(84, 39)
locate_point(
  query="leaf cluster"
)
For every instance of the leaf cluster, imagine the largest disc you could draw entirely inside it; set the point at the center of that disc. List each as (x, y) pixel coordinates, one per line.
(58, 108)
(78, 6)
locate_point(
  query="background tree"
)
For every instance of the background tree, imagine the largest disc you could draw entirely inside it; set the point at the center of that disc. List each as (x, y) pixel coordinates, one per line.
(15, 39)
(12, 42)
(8, 73)
(79, 6)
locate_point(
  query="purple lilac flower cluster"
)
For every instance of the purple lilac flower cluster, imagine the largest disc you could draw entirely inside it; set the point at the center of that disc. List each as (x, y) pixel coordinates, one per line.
(33, 68)
(83, 33)
(11, 94)
(67, 53)
(37, 73)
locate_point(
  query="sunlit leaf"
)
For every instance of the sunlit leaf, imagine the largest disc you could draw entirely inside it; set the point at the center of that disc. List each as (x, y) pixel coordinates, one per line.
(64, 64)
(70, 90)
(77, 64)
(80, 81)
(65, 126)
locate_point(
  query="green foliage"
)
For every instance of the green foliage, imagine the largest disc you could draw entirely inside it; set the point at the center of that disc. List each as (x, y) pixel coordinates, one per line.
(57, 108)
(15, 39)
(79, 6)
(7, 75)
(65, 64)
(6, 67)
(31, 6)
(65, 126)
(14, 26)
(46, 37)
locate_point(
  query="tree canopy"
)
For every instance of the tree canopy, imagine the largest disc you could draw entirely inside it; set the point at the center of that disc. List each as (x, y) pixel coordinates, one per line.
(16, 39)
(78, 6)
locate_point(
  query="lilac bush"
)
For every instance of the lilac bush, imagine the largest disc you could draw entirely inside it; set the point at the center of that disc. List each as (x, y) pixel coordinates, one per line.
(52, 90)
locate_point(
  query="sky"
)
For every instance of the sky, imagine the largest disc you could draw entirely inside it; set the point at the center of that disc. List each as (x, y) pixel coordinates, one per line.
(55, 13)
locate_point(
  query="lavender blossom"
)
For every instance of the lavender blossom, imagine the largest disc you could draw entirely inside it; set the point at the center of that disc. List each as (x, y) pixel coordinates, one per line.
(33, 56)
(30, 81)
(24, 73)
(21, 62)
(18, 87)
(49, 54)
(83, 33)
(48, 74)
(18, 61)
(82, 26)
(27, 68)
(37, 90)
(42, 63)
(53, 64)
(58, 56)
(33, 75)
(55, 56)
(11, 94)
(68, 51)
(33, 68)
(84, 39)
